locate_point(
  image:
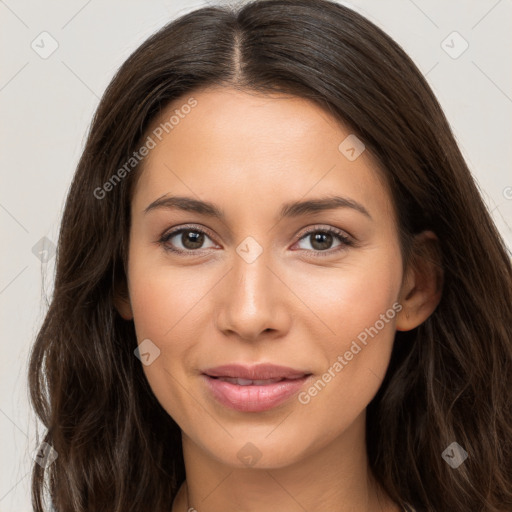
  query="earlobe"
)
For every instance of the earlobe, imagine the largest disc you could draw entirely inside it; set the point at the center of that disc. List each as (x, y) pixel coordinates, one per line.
(422, 288)
(124, 308)
(403, 320)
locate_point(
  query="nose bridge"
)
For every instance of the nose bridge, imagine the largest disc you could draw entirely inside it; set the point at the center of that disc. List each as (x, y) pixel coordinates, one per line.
(251, 275)
(252, 300)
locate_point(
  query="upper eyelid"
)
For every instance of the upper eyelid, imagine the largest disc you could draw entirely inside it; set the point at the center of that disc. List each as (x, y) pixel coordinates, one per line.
(175, 231)
(320, 227)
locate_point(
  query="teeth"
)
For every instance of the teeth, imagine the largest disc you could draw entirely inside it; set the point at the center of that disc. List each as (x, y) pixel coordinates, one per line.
(247, 382)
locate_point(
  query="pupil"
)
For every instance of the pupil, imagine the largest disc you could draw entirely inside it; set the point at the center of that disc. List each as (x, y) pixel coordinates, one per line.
(324, 241)
(192, 239)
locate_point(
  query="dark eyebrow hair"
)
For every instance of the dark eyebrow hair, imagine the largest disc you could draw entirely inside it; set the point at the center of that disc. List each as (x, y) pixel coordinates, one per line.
(291, 209)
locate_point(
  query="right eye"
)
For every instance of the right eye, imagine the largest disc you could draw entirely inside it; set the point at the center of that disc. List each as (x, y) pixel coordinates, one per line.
(190, 238)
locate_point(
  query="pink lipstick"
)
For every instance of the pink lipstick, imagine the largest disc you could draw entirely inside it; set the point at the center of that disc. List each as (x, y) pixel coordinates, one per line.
(254, 388)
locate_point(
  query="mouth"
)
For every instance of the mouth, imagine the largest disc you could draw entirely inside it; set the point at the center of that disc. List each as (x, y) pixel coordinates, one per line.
(254, 389)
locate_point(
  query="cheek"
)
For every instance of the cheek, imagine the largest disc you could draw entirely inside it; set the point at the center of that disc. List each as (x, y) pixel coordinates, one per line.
(165, 305)
(155, 304)
(164, 299)
(351, 297)
(357, 306)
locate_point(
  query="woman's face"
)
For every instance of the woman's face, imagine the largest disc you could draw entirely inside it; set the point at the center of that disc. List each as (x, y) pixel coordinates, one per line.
(253, 285)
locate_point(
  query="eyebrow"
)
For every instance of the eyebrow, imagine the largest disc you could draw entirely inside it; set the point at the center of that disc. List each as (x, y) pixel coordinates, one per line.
(288, 210)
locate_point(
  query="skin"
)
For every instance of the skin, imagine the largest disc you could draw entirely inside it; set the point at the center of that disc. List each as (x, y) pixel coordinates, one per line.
(249, 154)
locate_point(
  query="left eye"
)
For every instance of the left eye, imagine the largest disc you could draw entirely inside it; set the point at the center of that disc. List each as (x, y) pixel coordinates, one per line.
(321, 240)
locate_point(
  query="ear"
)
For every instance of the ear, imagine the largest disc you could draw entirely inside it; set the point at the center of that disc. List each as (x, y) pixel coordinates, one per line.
(422, 287)
(122, 301)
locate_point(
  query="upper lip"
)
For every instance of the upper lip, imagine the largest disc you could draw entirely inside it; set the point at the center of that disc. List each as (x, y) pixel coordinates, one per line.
(255, 372)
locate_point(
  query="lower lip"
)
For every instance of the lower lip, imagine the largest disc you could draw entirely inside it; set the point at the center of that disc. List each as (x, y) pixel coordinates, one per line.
(253, 398)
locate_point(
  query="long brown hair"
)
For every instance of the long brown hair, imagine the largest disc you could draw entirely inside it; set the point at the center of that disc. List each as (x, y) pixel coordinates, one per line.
(449, 380)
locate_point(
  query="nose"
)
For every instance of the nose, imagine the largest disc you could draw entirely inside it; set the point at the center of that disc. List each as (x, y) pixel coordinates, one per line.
(253, 300)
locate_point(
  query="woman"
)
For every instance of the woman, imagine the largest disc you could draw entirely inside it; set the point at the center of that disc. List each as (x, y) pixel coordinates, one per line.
(277, 285)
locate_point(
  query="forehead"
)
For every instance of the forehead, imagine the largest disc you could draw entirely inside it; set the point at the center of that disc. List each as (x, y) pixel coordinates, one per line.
(248, 148)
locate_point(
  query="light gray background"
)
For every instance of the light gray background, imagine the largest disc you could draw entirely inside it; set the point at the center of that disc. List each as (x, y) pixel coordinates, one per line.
(47, 104)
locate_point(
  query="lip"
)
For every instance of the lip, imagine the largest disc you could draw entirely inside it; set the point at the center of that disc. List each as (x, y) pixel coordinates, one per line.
(255, 372)
(254, 397)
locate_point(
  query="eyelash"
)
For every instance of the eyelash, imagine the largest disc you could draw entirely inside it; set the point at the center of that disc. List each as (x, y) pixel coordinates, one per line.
(345, 240)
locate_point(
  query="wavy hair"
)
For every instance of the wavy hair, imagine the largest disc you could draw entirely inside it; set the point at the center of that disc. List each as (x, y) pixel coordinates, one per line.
(449, 379)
